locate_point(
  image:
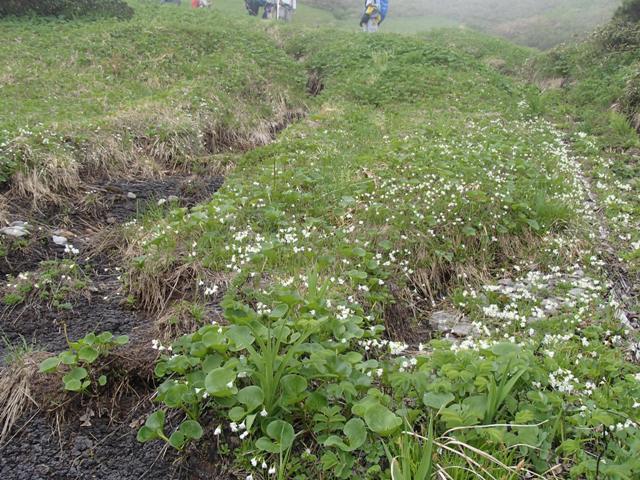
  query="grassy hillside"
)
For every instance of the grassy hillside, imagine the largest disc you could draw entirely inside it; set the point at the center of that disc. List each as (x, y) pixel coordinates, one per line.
(535, 23)
(403, 283)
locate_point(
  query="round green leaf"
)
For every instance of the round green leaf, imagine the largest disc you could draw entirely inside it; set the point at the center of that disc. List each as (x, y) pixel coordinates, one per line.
(146, 434)
(355, 432)
(156, 421)
(72, 384)
(191, 429)
(102, 381)
(88, 354)
(381, 420)
(437, 400)
(240, 336)
(218, 380)
(279, 311)
(49, 365)
(177, 440)
(251, 396)
(282, 432)
(121, 340)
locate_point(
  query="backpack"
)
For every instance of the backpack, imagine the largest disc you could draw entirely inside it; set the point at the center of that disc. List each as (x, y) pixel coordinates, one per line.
(384, 8)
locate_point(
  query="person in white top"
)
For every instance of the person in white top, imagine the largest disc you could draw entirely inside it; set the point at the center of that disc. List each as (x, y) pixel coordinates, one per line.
(286, 9)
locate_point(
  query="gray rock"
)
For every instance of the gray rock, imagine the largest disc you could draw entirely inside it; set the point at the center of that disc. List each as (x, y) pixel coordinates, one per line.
(131, 196)
(15, 232)
(19, 224)
(451, 322)
(576, 292)
(59, 240)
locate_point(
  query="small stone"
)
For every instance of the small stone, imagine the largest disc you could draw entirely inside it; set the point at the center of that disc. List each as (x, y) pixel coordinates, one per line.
(15, 232)
(19, 224)
(576, 292)
(59, 240)
(131, 196)
(111, 220)
(451, 322)
(172, 199)
(505, 282)
(463, 329)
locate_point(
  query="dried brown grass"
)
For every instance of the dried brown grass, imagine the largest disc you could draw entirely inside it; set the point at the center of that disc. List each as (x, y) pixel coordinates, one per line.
(15, 393)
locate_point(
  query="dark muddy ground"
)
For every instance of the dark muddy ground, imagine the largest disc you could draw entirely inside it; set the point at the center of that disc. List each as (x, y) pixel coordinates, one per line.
(107, 448)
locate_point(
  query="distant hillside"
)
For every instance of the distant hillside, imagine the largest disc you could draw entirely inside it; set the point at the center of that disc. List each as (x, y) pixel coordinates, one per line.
(537, 23)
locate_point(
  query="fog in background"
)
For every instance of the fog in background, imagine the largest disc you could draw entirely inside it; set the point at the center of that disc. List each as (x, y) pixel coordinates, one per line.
(537, 23)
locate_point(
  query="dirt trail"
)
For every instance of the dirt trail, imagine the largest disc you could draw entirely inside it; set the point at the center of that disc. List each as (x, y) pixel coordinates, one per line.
(90, 443)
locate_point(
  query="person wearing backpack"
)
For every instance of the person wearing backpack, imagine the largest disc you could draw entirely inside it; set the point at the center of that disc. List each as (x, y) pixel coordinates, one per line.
(371, 18)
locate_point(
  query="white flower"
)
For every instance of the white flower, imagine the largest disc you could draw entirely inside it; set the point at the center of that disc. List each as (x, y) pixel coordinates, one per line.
(264, 413)
(272, 470)
(244, 435)
(218, 430)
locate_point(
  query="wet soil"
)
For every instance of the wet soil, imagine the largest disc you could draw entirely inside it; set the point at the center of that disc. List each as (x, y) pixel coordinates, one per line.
(42, 448)
(101, 449)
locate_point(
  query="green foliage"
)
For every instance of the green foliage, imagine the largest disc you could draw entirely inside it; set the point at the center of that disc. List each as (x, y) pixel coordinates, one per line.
(56, 283)
(629, 11)
(77, 361)
(67, 8)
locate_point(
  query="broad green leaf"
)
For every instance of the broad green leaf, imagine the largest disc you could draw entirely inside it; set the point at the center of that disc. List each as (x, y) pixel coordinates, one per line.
(505, 348)
(102, 380)
(67, 357)
(177, 440)
(121, 340)
(356, 434)
(437, 400)
(279, 311)
(240, 336)
(72, 384)
(49, 365)
(191, 429)
(381, 420)
(156, 421)
(219, 382)
(237, 413)
(282, 432)
(88, 354)
(252, 397)
(77, 373)
(146, 434)
(293, 384)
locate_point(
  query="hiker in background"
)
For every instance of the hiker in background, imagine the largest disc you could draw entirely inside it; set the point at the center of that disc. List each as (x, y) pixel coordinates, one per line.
(371, 17)
(200, 3)
(269, 10)
(286, 9)
(253, 6)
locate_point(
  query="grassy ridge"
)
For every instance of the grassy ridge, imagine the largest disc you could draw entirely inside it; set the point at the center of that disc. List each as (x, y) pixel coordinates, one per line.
(165, 75)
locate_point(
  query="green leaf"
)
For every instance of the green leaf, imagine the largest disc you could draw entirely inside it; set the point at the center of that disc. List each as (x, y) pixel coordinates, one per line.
(381, 420)
(251, 396)
(88, 354)
(293, 384)
(156, 421)
(121, 340)
(282, 433)
(76, 373)
(105, 337)
(146, 434)
(240, 336)
(177, 440)
(72, 384)
(505, 348)
(218, 381)
(102, 380)
(437, 400)
(49, 365)
(67, 357)
(237, 413)
(356, 434)
(191, 429)
(279, 311)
